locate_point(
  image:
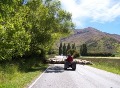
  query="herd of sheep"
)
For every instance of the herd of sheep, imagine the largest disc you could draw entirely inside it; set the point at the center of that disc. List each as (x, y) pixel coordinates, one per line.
(59, 60)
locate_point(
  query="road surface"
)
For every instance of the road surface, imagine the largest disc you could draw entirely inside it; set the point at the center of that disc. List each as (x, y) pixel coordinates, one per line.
(84, 77)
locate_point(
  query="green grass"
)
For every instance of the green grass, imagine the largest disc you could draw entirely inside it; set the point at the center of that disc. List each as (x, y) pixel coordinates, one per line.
(11, 77)
(108, 67)
(109, 64)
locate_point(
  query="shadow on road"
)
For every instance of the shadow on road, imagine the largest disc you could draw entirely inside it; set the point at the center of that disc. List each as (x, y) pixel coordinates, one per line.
(55, 69)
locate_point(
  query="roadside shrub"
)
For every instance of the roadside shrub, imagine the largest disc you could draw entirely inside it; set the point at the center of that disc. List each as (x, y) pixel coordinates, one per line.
(100, 54)
(73, 52)
(76, 55)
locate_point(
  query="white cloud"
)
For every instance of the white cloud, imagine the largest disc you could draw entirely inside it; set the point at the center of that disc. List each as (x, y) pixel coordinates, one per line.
(96, 10)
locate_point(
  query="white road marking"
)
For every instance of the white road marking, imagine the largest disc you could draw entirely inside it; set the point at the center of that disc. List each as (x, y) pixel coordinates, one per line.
(38, 78)
(80, 73)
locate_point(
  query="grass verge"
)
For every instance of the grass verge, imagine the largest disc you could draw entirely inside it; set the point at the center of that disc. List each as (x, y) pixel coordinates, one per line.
(108, 64)
(10, 77)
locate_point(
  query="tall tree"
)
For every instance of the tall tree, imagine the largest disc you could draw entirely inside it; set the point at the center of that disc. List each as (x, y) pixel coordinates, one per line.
(47, 20)
(68, 47)
(60, 49)
(73, 46)
(31, 27)
(64, 49)
(83, 50)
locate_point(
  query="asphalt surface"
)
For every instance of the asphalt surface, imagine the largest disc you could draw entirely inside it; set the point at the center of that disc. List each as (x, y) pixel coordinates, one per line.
(84, 77)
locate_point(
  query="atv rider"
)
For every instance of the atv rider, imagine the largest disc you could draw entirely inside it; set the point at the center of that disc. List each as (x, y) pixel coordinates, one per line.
(69, 58)
(69, 63)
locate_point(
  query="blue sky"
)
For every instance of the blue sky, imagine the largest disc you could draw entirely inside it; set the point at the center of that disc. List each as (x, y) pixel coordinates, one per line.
(103, 15)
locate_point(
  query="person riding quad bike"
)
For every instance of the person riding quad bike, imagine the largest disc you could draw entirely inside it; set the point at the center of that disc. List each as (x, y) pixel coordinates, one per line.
(69, 63)
(69, 58)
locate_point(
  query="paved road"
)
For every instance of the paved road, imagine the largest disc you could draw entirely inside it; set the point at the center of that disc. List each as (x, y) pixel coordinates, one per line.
(84, 77)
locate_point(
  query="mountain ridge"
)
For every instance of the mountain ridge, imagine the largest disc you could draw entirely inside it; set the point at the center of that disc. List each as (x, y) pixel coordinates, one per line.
(93, 38)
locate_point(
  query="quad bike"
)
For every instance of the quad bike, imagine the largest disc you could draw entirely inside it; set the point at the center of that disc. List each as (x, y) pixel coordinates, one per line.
(70, 64)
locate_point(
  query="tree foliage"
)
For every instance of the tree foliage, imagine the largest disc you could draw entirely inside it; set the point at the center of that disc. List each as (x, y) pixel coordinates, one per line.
(14, 39)
(31, 28)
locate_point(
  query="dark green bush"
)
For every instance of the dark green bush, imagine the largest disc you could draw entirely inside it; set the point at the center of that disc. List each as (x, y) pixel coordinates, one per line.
(73, 53)
(105, 54)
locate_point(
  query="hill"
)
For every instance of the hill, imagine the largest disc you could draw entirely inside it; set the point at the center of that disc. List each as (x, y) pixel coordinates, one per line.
(97, 41)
